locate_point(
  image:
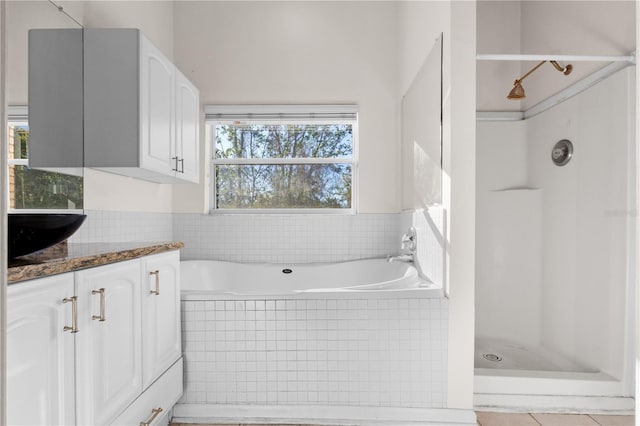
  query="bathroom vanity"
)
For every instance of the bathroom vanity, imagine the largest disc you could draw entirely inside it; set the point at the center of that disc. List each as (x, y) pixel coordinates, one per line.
(95, 338)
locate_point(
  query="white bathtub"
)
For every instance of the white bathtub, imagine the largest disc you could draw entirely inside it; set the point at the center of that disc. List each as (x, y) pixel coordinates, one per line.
(218, 280)
(361, 342)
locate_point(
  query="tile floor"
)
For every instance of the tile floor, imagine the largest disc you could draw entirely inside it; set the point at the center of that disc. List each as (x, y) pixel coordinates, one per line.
(523, 419)
(516, 419)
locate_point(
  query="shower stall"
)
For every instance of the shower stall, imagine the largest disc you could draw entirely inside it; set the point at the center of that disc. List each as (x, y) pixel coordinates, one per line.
(555, 251)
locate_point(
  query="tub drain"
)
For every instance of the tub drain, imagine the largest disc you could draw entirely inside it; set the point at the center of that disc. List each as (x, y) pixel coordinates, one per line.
(492, 357)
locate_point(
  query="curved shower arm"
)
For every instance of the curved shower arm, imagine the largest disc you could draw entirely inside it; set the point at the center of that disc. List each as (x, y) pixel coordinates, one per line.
(530, 72)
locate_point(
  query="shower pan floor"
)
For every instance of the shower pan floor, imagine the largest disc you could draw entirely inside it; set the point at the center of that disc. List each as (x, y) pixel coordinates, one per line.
(493, 353)
(514, 377)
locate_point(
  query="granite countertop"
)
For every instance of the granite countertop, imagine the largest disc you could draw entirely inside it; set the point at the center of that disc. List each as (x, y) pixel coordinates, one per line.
(81, 256)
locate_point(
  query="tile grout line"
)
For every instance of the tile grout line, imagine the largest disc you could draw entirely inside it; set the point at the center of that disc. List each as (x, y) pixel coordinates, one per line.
(599, 424)
(534, 419)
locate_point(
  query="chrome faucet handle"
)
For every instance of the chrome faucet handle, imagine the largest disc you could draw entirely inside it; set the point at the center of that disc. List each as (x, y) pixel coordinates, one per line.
(409, 240)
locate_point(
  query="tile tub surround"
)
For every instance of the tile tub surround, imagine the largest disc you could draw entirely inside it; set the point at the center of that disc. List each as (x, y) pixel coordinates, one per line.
(82, 256)
(277, 238)
(357, 352)
(295, 238)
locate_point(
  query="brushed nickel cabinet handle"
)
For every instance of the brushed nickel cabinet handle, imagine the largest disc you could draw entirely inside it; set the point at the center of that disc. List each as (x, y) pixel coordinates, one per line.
(176, 160)
(74, 314)
(154, 414)
(157, 290)
(100, 317)
(181, 161)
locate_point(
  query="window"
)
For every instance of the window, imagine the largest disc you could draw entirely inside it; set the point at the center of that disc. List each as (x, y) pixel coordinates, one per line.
(283, 158)
(36, 189)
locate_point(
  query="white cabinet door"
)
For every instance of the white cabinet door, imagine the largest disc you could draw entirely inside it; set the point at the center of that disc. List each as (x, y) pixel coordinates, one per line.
(187, 129)
(40, 358)
(108, 348)
(157, 135)
(160, 314)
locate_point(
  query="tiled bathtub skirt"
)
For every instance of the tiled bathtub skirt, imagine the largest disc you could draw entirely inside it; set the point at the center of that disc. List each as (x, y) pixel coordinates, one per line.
(375, 352)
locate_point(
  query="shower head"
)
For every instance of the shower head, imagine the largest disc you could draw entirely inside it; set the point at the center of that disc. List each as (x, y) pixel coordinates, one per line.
(518, 91)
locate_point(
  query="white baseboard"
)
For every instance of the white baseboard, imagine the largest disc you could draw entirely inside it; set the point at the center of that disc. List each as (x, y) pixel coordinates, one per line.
(554, 404)
(322, 414)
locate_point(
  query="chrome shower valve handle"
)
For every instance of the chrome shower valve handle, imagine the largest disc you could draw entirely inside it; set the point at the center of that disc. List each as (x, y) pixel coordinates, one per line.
(409, 240)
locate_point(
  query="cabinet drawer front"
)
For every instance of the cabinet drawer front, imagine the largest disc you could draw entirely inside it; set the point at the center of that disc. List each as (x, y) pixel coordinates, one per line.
(163, 393)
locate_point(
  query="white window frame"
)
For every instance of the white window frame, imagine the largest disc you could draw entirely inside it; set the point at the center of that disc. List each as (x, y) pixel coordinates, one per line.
(281, 114)
(20, 115)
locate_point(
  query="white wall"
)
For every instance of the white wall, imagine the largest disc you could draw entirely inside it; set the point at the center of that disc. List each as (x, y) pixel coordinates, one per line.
(153, 18)
(22, 16)
(602, 27)
(459, 160)
(419, 23)
(305, 53)
(501, 156)
(498, 32)
(508, 238)
(421, 136)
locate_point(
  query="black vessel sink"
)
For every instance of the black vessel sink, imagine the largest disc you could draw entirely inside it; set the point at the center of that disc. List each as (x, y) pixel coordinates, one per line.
(31, 232)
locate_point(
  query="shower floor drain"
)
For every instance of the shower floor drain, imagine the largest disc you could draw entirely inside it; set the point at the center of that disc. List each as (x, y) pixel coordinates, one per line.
(492, 357)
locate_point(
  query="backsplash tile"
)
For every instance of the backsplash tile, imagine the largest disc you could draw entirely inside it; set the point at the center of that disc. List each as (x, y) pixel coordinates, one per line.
(116, 226)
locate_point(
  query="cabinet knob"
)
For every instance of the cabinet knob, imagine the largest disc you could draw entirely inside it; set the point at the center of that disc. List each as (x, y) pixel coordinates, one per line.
(100, 317)
(154, 414)
(74, 314)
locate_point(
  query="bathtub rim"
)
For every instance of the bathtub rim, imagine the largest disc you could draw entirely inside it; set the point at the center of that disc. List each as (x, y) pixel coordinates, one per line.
(421, 287)
(421, 293)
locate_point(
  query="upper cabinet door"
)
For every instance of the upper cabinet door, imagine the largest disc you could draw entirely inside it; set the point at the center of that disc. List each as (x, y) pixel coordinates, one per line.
(40, 359)
(108, 348)
(187, 129)
(160, 314)
(141, 114)
(55, 98)
(156, 110)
